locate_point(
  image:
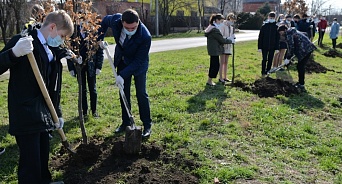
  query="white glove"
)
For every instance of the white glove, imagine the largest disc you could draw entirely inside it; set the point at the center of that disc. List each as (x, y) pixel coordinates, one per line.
(98, 71)
(311, 26)
(286, 61)
(61, 123)
(259, 50)
(23, 47)
(69, 54)
(120, 81)
(79, 60)
(233, 40)
(276, 51)
(72, 73)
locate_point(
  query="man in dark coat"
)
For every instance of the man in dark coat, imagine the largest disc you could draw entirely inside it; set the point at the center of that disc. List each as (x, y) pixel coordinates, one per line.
(268, 42)
(131, 59)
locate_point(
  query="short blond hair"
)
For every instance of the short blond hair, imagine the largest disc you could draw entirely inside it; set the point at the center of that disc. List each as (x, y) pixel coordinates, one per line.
(61, 19)
(231, 16)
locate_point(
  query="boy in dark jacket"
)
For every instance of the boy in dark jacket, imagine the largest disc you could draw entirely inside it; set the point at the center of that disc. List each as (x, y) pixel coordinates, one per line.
(268, 42)
(306, 26)
(29, 116)
(300, 46)
(89, 71)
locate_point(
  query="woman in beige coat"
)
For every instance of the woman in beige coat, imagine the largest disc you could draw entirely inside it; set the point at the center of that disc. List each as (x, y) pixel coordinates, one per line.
(227, 31)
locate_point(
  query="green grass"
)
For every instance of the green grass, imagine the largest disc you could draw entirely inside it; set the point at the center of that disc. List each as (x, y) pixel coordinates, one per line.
(234, 135)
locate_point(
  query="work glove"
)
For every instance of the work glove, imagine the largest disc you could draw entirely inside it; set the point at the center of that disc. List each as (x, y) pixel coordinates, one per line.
(72, 73)
(61, 123)
(69, 54)
(120, 81)
(79, 60)
(259, 50)
(311, 26)
(23, 47)
(276, 51)
(287, 61)
(233, 40)
(98, 71)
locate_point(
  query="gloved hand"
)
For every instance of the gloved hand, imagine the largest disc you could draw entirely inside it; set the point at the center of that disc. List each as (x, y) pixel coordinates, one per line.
(276, 51)
(79, 60)
(69, 54)
(120, 81)
(23, 46)
(259, 50)
(336, 35)
(98, 71)
(72, 73)
(311, 26)
(286, 61)
(233, 40)
(61, 123)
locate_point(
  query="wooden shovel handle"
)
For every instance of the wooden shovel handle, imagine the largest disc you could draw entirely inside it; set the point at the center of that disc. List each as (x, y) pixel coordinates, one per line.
(45, 93)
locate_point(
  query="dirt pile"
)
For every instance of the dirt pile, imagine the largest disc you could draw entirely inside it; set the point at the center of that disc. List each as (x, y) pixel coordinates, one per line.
(268, 87)
(314, 67)
(332, 53)
(104, 161)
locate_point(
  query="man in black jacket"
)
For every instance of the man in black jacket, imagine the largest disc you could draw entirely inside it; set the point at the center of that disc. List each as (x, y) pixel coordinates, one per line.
(29, 116)
(268, 42)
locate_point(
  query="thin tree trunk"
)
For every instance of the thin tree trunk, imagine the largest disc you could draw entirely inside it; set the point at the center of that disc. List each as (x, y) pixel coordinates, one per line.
(80, 111)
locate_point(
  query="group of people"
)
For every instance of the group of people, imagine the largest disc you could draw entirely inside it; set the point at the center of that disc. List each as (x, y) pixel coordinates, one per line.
(31, 128)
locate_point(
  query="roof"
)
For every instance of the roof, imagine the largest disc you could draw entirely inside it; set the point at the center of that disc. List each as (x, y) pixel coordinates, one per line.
(261, 1)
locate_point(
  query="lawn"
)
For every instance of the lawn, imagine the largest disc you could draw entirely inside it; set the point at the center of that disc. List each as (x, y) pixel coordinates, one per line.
(231, 134)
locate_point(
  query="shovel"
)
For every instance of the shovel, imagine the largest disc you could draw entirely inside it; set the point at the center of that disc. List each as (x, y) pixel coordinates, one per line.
(133, 136)
(48, 101)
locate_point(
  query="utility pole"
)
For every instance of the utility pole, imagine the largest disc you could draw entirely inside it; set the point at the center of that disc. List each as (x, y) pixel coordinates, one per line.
(157, 18)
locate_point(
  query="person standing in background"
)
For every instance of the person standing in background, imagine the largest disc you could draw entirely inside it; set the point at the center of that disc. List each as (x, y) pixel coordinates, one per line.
(227, 31)
(334, 31)
(215, 42)
(322, 25)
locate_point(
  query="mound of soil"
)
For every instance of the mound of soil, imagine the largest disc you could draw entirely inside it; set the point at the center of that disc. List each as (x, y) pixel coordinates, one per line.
(332, 53)
(104, 161)
(268, 87)
(314, 67)
(339, 45)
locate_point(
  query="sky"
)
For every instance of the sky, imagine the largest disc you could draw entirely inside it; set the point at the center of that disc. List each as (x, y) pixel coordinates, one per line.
(337, 4)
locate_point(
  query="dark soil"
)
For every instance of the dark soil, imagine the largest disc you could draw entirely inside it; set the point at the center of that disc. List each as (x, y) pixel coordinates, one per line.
(314, 67)
(339, 46)
(332, 53)
(268, 87)
(104, 161)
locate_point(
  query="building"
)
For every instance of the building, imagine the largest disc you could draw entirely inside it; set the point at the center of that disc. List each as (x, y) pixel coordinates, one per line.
(254, 5)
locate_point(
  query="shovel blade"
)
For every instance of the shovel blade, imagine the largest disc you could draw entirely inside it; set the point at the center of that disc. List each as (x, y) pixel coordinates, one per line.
(133, 140)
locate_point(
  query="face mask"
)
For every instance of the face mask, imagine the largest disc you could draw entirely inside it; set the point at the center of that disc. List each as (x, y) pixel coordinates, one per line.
(129, 33)
(288, 21)
(323, 18)
(335, 22)
(56, 41)
(307, 20)
(217, 24)
(271, 20)
(231, 23)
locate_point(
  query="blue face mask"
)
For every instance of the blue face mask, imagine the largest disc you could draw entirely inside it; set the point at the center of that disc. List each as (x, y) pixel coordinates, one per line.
(129, 33)
(217, 24)
(271, 20)
(56, 41)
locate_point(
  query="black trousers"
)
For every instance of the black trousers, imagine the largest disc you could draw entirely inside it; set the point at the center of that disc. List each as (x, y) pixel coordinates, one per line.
(301, 69)
(267, 59)
(320, 37)
(90, 81)
(334, 43)
(33, 158)
(214, 66)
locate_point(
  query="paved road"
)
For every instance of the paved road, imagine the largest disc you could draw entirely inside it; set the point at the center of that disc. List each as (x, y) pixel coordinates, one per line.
(177, 44)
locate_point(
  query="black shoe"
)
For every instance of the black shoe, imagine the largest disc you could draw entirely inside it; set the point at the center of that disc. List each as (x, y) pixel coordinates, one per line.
(95, 115)
(222, 81)
(146, 133)
(2, 150)
(301, 88)
(120, 129)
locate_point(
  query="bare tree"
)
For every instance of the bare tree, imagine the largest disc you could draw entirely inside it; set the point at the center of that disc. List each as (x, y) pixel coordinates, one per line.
(18, 7)
(200, 5)
(295, 6)
(167, 8)
(316, 6)
(5, 14)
